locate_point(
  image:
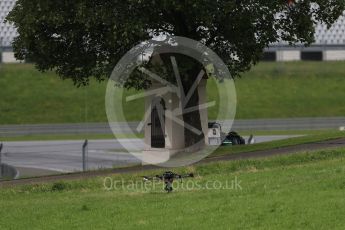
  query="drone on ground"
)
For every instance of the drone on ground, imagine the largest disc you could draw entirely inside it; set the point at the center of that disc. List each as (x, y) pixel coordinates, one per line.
(168, 178)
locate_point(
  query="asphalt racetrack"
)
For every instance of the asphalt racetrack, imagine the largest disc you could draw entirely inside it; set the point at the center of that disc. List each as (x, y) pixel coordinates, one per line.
(336, 143)
(37, 158)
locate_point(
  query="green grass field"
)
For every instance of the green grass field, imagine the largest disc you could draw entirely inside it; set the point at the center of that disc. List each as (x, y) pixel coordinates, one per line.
(270, 90)
(300, 191)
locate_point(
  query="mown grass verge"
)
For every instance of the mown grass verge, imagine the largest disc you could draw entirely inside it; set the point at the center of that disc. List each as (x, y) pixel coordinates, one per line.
(293, 191)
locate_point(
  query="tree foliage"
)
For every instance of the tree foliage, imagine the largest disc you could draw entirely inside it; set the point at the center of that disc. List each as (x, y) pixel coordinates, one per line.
(83, 38)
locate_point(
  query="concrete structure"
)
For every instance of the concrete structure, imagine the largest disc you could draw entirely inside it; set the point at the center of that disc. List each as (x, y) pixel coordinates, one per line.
(164, 126)
(164, 108)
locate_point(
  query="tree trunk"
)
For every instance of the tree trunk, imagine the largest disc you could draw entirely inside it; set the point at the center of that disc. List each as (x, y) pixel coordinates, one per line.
(192, 118)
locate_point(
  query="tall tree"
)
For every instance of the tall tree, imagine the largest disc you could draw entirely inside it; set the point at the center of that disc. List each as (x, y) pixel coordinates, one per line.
(80, 39)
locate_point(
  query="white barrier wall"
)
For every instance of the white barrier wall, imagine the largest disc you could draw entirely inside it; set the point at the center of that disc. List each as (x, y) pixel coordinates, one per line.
(8, 57)
(295, 55)
(282, 55)
(288, 55)
(334, 55)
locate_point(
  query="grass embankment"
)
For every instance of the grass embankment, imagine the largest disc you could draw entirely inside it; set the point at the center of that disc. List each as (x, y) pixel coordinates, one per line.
(304, 191)
(270, 90)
